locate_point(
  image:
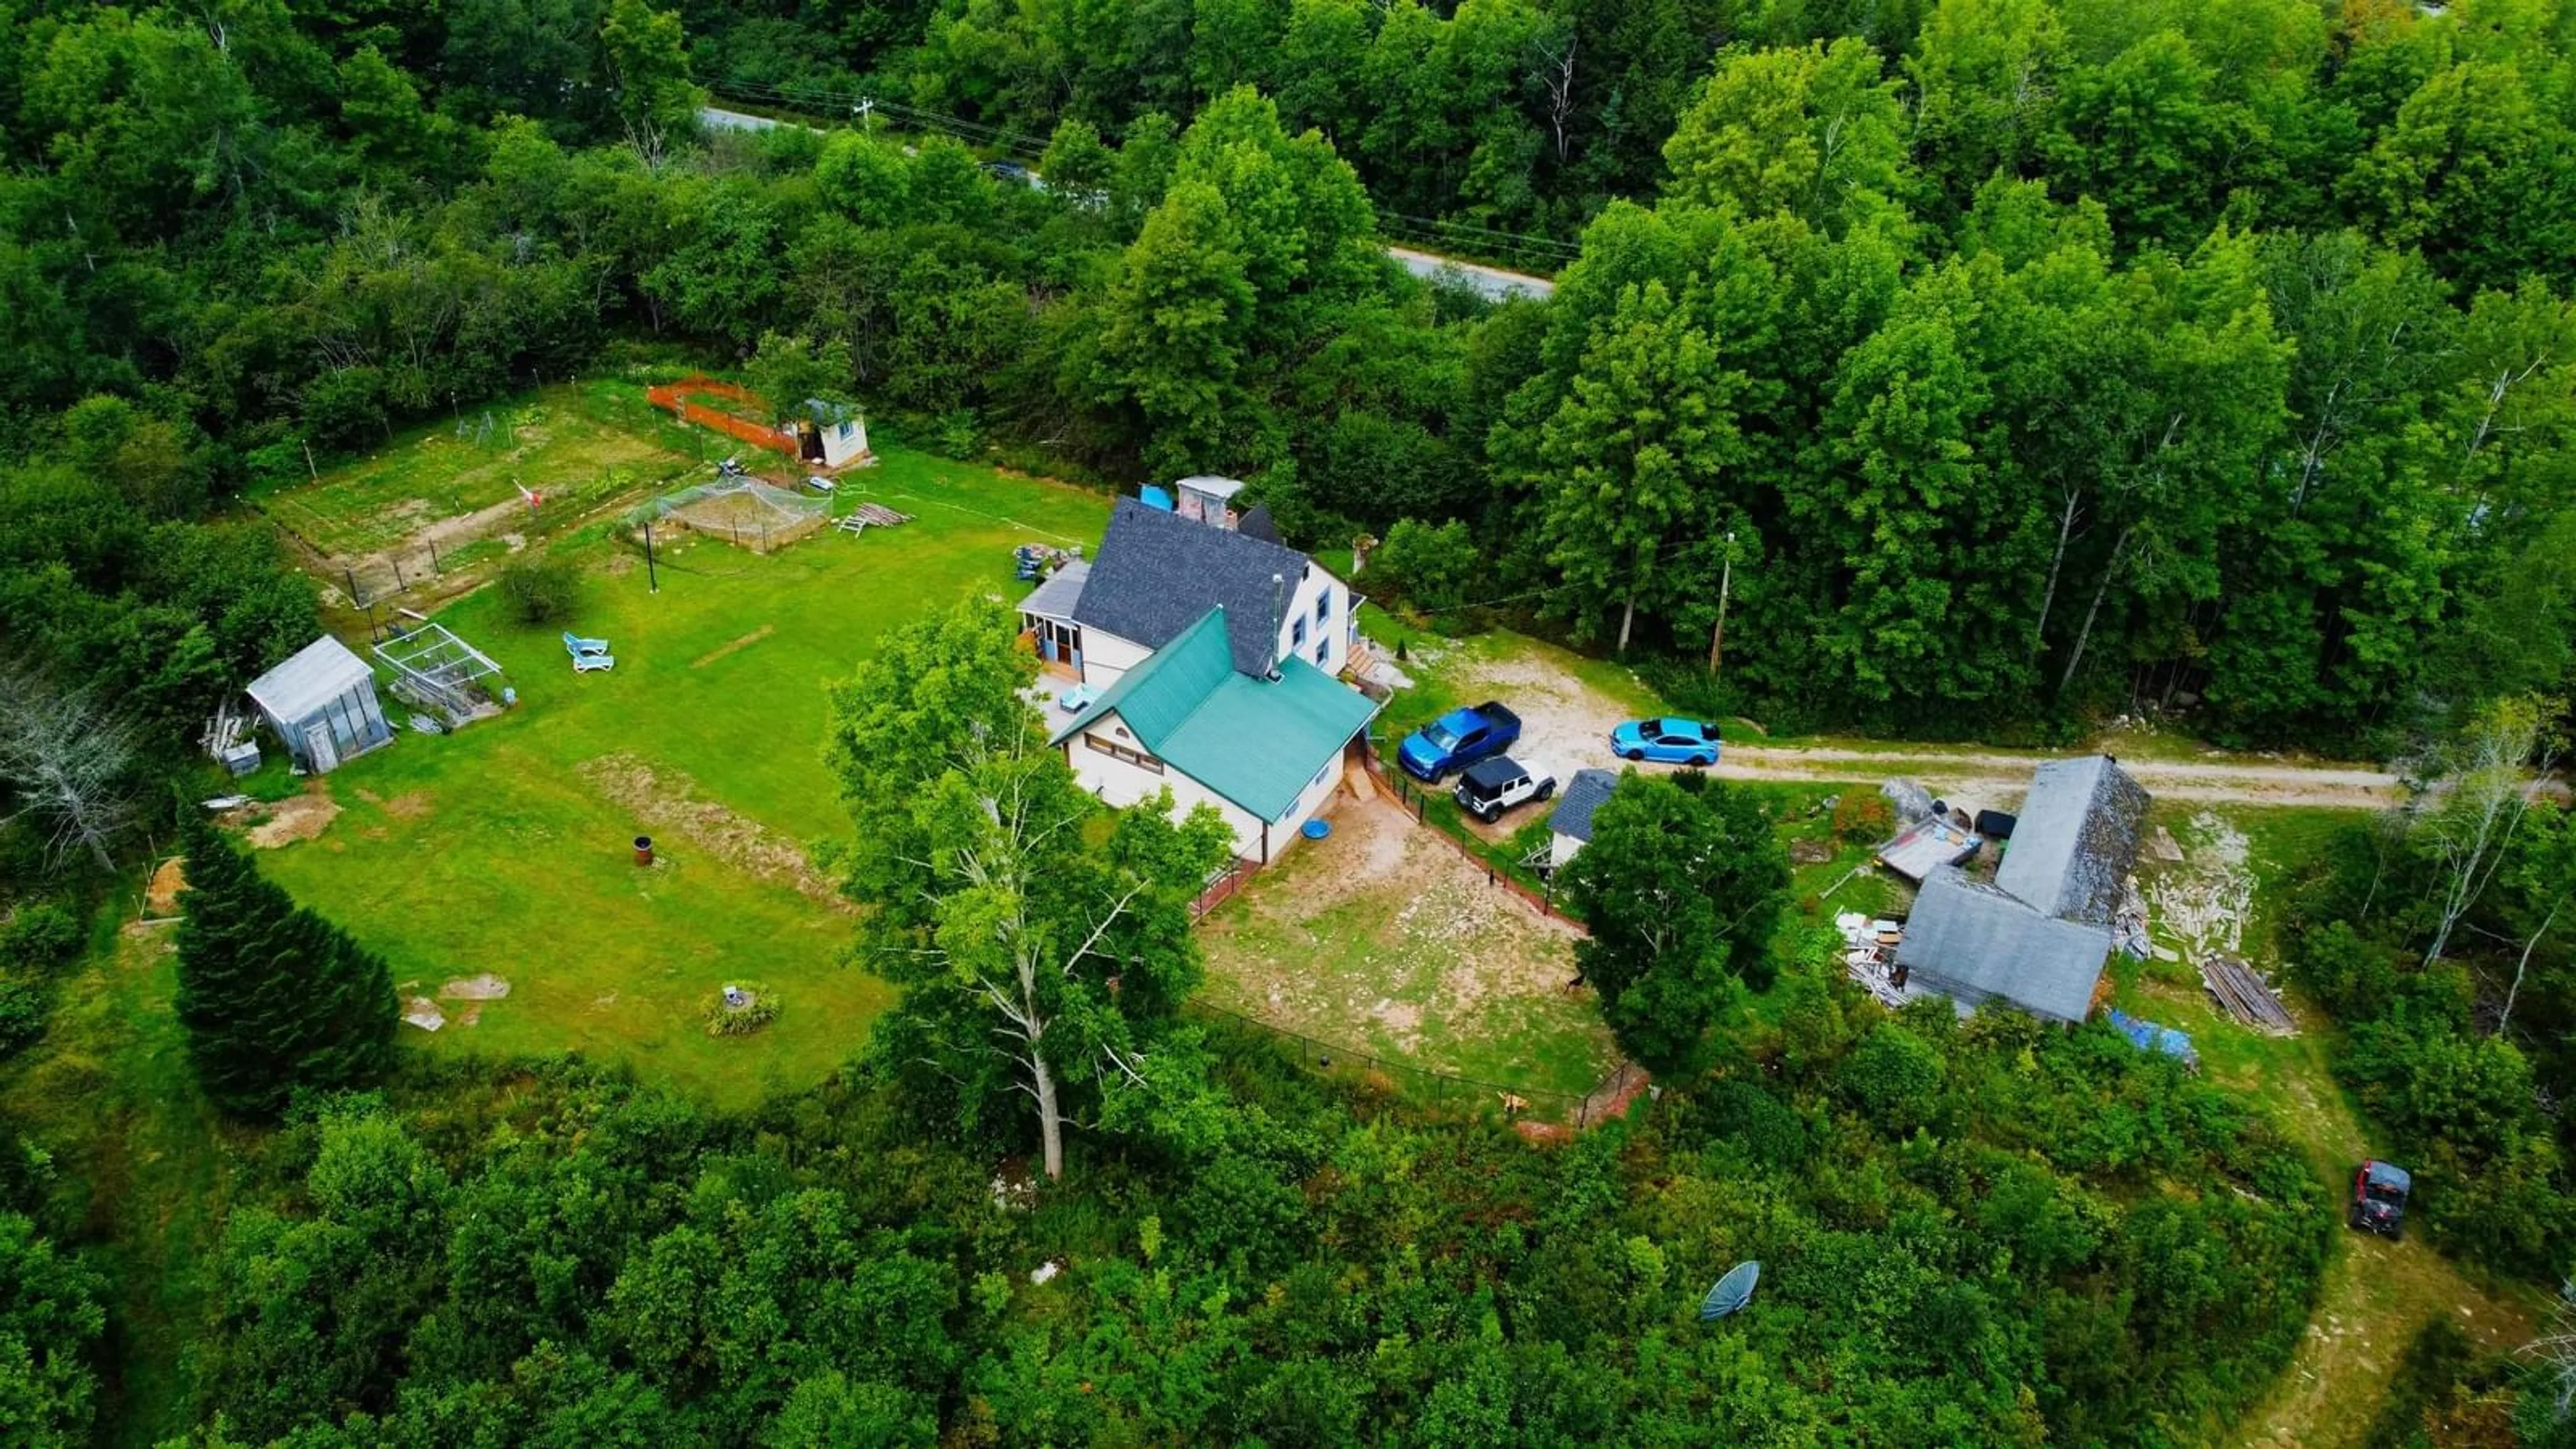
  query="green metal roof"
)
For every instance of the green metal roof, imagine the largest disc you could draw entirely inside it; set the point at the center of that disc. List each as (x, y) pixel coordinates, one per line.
(1255, 741)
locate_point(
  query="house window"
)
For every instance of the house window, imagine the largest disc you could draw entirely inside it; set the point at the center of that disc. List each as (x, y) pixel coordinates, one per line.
(1323, 607)
(1137, 758)
(1297, 635)
(1324, 651)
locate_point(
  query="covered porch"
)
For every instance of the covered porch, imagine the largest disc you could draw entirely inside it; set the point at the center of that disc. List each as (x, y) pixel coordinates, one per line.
(1046, 621)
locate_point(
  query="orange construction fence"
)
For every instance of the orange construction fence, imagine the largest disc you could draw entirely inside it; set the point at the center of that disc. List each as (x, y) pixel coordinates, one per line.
(678, 398)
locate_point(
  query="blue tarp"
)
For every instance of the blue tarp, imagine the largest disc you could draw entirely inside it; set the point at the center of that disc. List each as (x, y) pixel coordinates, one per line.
(2146, 1036)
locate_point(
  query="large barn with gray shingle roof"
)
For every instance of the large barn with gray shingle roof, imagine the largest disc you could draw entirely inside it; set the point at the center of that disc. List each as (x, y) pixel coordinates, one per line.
(2036, 937)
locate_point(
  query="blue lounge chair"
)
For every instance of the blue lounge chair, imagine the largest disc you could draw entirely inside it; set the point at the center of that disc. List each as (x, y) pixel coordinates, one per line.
(588, 654)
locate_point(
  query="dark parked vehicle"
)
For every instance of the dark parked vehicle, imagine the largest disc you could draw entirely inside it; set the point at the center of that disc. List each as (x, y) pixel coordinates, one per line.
(2379, 1198)
(1458, 739)
(1496, 785)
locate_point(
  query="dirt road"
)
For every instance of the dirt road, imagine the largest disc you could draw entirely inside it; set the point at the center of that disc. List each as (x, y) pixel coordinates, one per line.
(1989, 777)
(1566, 723)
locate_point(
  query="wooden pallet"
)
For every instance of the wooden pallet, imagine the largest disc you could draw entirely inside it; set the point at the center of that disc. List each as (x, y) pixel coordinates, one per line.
(858, 519)
(2243, 995)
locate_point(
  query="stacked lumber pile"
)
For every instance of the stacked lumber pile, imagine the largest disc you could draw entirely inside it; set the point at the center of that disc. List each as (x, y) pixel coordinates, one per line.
(858, 519)
(2244, 995)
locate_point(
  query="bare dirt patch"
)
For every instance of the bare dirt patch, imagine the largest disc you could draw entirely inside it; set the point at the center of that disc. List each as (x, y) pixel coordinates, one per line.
(1384, 937)
(409, 805)
(731, 646)
(161, 897)
(486, 987)
(1565, 723)
(670, 805)
(297, 817)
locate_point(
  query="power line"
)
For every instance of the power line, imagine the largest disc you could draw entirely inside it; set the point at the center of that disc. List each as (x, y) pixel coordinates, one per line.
(838, 103)
(1659, 555)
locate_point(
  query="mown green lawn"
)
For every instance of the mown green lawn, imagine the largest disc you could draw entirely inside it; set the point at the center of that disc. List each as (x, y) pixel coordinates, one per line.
(505, 848)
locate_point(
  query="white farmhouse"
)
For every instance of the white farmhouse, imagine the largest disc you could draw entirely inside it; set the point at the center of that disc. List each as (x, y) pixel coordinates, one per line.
(1210, 658)
(1157, 573)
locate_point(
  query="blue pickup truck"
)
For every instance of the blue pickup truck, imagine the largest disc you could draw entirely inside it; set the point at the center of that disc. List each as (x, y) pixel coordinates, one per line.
(1456, 740)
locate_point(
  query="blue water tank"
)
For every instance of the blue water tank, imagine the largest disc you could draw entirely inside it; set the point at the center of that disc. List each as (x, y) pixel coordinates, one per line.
(1315, 829)
(1156, 497)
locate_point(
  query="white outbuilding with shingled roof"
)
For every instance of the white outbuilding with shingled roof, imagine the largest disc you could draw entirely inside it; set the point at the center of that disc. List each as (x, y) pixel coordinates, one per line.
(322, 703)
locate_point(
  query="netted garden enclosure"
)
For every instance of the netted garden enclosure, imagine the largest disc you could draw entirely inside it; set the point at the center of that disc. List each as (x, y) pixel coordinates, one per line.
(759, 516)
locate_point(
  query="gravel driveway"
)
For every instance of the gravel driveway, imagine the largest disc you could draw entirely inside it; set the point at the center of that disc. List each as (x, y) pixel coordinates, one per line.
(1566, 724)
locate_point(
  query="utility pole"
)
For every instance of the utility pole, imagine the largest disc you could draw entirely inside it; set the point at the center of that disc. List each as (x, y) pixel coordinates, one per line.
(1717, 639)
(652, 576)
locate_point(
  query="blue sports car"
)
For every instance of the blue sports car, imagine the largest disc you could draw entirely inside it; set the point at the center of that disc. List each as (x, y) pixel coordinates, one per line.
(1670, 741)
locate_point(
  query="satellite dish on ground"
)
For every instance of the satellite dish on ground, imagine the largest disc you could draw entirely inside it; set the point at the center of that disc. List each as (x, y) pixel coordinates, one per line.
(1731, 1293)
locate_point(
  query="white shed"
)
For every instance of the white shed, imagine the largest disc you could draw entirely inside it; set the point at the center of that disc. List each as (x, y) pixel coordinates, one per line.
(322, 703)
(835, 436)
(1207, 499)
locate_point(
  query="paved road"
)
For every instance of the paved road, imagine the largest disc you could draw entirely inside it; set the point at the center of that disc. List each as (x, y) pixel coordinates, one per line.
(717, 118)
(1494, 282)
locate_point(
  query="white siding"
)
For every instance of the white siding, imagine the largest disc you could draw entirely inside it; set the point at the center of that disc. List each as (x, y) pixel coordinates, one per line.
(1317, 586)
(1105, 656)
(1309, 800)
(1122, 784)
(843, 441)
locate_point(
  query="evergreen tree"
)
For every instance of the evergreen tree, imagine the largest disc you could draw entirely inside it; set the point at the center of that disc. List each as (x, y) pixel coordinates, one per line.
(274, 997)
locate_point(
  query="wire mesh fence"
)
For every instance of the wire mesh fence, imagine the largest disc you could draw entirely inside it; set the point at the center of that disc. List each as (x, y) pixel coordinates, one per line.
(745, 512)
(1415, 800)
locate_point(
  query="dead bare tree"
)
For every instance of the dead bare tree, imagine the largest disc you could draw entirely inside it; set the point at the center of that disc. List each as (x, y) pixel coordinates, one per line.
(2546, 874)
(1555, 75)
(69, 760)
(2554, 1354)
(2485, 794)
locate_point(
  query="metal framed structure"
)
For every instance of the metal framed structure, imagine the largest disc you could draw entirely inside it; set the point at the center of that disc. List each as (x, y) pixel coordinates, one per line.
(437, 668)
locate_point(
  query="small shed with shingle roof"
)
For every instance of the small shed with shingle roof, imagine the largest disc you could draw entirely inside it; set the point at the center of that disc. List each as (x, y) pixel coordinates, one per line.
(321, 701)
(1569, 825)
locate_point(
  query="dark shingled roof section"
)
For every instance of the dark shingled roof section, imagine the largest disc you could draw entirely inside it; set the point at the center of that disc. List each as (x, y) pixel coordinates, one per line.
(1974, 944)
(1158, 573)
(1583, 795)
(1259, 524)
(2076, 840)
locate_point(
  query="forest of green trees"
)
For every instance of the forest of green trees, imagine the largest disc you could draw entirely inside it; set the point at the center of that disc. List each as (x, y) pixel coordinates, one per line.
(2022, 362)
